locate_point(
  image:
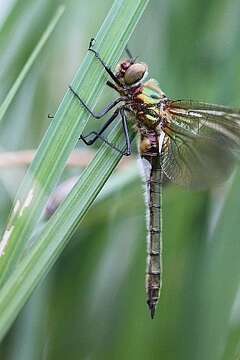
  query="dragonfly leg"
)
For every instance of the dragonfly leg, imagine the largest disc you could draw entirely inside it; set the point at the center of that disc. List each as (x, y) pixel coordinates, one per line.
(101, 113)
(106, 67)
(128, 150)
(98, 135)
(101, 137)
(112, 85)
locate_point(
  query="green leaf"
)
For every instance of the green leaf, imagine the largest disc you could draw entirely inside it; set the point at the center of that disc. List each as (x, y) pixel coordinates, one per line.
(45, 36)
(48, 165)
(57, 232)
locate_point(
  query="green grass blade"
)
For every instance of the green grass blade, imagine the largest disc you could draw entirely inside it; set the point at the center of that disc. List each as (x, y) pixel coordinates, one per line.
(54, 151)
(41, 257)
(12, 92)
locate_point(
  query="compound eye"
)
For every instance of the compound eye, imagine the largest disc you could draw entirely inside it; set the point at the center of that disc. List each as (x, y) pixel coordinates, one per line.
(135, 73)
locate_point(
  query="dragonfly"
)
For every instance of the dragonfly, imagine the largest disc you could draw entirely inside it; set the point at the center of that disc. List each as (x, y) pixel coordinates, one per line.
(192, 143)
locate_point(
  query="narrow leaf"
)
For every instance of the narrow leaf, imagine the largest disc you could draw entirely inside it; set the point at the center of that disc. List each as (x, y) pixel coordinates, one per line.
(42, 256)
(64, 131)
(12, 92)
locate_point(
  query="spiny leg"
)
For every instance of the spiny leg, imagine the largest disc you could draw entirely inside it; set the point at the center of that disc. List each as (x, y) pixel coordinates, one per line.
(90, 48)
(98, 135)
(101, 113)
(93, 114)
(101, 137)
(106, 67)
(112, 86)
(126, 132)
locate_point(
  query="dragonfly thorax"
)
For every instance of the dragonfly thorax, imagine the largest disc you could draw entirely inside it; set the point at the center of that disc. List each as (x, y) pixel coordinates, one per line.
(149, 104)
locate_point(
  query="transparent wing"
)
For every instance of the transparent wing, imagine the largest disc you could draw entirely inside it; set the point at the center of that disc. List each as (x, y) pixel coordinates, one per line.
(202, 143)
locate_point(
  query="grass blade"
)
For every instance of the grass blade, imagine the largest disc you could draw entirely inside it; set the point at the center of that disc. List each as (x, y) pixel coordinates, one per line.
(12, 92)
(41, 257)
(48, 166)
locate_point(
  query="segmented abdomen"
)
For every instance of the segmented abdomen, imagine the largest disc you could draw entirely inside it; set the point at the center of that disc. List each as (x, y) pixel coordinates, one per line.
(153, 176)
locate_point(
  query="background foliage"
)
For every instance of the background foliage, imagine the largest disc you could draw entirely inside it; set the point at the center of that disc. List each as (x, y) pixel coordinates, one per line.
(92, 304)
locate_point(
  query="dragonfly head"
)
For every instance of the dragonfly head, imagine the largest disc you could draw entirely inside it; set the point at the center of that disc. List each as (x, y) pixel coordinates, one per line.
(130, 73)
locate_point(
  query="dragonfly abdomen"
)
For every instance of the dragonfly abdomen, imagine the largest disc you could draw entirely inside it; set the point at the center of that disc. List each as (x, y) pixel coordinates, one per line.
(153, 184)
(153, 275)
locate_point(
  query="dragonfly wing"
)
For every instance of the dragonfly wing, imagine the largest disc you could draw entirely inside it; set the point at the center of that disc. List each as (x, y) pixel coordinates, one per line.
(202, 143)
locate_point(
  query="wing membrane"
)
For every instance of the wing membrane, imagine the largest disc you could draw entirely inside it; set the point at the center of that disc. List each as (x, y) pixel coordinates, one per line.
(202, 145)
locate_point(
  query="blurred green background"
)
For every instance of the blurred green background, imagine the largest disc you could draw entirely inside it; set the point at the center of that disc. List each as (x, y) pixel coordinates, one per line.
(92, 304)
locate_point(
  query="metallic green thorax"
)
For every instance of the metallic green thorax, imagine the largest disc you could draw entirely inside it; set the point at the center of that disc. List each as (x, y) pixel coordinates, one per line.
(151, 95)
